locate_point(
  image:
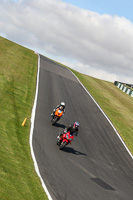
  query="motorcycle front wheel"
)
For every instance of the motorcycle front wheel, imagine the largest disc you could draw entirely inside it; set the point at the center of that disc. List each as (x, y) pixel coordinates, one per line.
(63, 144)
(54, 120)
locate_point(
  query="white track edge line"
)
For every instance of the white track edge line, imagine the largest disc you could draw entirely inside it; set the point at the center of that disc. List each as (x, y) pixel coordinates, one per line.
(104, 115)
(31, 133)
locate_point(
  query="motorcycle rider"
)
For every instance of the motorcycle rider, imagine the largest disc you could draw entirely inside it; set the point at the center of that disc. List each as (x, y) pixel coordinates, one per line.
(73, 129)
(61, 106)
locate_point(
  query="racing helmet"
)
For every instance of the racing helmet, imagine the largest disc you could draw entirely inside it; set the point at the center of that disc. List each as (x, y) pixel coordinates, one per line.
(62, 104)
(76, 124)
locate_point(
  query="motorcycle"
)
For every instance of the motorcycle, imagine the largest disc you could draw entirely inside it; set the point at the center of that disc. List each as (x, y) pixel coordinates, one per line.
(56, 116)
(64, 139)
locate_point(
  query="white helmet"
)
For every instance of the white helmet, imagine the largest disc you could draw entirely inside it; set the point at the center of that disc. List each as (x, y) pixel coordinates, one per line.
(62, 104)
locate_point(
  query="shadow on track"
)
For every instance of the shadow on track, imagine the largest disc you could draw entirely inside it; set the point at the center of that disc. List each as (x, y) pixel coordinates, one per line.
(73, 151)
(59, 125)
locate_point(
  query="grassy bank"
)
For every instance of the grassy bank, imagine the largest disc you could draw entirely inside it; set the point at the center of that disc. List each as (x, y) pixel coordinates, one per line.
(18, 68)
(117, 105)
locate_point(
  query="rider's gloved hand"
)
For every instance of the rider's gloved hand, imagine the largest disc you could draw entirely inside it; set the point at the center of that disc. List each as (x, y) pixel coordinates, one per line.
(65, 131)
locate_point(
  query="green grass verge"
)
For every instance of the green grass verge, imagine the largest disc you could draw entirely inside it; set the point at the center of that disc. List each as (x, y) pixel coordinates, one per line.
(117, 105)
(18, 69)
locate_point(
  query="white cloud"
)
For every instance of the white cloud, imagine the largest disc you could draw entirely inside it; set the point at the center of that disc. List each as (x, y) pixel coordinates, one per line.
(100, 45)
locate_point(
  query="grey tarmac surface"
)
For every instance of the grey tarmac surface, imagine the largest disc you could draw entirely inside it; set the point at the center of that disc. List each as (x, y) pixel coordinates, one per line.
(96, 166)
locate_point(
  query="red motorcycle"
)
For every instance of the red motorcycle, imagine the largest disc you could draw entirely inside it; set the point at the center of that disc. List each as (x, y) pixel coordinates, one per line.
(64, 139)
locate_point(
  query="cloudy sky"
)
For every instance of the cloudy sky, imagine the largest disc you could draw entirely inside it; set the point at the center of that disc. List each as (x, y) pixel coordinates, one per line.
(92, 37)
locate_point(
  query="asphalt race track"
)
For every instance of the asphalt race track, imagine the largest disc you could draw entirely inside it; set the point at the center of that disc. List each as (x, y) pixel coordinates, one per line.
(96, 166)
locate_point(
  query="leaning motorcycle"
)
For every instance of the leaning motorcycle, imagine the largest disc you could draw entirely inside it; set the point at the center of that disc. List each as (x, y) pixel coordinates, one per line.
(64, 139)
(56, 116)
